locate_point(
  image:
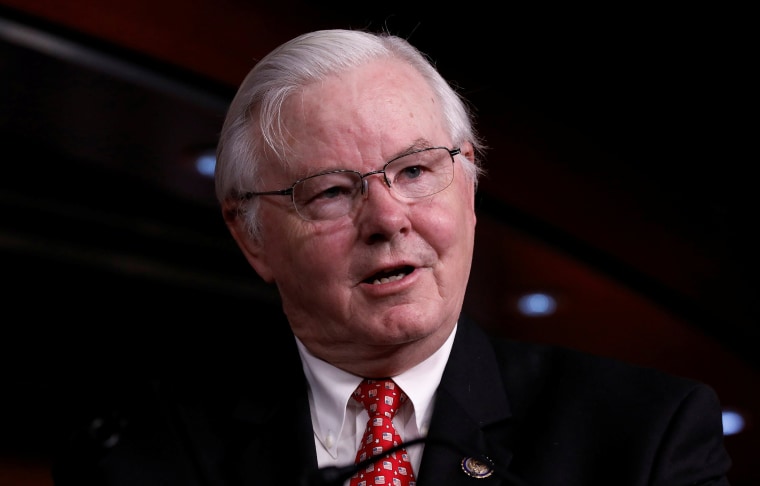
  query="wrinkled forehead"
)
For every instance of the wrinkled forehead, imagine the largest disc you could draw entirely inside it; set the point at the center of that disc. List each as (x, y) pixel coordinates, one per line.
(364, 114)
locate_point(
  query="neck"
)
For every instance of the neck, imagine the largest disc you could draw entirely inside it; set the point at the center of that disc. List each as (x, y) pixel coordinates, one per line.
(378, 361)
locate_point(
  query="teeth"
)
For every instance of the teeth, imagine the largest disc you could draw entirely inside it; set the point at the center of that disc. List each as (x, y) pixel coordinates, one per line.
(392, 278)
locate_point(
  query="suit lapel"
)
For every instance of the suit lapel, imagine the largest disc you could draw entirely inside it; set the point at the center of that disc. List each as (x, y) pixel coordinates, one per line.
(281, 448)
(234, 434)
(471, 415)
(274, 433)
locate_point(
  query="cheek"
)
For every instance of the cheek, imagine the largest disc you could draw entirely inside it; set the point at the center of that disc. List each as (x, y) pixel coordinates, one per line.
(309, 253)
(447, 238)
(442, 233)
(450, 225)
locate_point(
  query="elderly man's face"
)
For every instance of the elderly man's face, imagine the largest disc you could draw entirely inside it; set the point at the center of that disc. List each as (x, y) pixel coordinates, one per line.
(327, 271)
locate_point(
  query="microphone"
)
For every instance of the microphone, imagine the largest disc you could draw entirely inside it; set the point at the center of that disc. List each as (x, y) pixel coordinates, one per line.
(337, 475)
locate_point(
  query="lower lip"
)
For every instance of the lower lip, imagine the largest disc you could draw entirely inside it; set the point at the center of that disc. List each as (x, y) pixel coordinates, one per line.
(393, 286)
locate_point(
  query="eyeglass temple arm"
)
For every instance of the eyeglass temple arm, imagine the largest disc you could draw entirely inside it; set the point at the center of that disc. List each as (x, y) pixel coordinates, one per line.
(281, 192)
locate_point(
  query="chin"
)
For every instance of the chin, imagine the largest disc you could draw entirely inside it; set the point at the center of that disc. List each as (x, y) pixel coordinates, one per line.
(407, 328)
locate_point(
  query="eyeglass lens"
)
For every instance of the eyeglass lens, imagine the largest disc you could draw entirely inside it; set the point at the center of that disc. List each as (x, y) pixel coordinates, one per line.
(333, 194)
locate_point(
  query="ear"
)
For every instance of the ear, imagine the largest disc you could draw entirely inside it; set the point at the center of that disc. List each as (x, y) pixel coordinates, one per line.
(468, 151)
(251, 246)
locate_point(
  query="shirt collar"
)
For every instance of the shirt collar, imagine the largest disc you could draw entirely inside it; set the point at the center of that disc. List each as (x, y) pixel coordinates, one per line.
(330, 390)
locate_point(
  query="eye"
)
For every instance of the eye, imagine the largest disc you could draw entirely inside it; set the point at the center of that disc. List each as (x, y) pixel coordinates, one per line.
(412, 172)
(333, 192)
(325, 188)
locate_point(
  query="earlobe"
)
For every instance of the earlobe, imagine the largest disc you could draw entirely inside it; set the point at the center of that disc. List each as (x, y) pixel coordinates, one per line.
(251, 246)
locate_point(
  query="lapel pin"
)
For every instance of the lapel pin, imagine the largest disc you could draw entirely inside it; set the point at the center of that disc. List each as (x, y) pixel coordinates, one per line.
(477, 467)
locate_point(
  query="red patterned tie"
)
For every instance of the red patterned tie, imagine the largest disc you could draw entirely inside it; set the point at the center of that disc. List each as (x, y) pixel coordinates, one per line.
(382, 399)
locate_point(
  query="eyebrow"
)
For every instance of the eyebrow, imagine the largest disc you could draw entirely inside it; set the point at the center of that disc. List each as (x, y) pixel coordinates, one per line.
(416, 145)
(419, 144)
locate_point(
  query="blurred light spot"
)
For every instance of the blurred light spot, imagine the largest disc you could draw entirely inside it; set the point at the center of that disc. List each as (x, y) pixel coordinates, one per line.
(733, 422)
(205, 164)
(536, 304)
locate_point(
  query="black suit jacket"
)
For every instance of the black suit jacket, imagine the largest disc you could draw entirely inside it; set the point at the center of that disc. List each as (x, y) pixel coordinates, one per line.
(539, 415)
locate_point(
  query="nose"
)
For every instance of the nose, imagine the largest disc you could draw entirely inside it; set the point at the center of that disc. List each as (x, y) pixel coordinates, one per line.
(382, 213)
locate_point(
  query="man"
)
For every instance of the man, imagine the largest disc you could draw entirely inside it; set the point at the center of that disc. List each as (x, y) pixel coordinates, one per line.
(347, 170)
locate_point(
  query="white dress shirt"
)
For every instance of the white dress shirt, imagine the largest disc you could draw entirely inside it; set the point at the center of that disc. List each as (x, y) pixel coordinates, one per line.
(339, 421)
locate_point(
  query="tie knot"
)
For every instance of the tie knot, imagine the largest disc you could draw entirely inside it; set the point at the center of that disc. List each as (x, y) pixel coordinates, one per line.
(380, 397)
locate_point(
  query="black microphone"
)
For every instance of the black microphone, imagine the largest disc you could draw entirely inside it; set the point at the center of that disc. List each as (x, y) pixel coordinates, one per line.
(337, 475)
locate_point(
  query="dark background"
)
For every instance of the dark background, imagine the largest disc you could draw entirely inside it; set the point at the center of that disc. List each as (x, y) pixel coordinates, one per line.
(620, 179)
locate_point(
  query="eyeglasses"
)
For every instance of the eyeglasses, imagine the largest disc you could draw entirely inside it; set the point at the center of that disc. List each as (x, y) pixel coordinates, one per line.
(333, 194)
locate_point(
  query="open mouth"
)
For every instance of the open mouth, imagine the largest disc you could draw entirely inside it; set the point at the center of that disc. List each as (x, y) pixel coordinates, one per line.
(390, 275)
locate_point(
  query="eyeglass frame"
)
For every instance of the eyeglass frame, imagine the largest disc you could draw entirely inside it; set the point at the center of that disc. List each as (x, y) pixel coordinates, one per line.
(362, 177)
